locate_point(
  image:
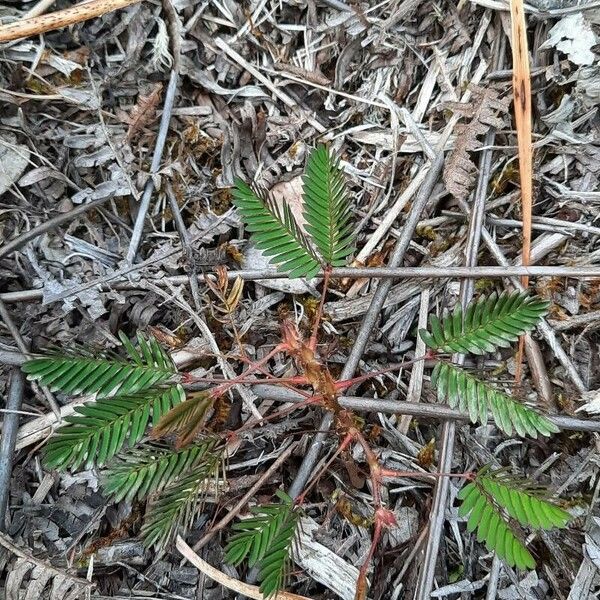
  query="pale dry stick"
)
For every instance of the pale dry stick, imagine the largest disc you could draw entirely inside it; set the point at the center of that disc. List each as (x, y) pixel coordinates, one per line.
(408, 408)
(90, 573)
(7, 543)
(155, 261)
(539, 374)
(161, 138)
(184, 238)
(416, 409)
(13, 329)
(61, 18)
(251, 591)
(326, 88)
(287, 100)
(251, 21)
(39, 9)
(394, 211)
(24, 348)
(39, 97)
(48, 225)
(409, 559)
(175, 32)
(338, 5)
(492, 587)
(418, 272)
(24, 413)
(41, 428)
(245, 498)
(502, 5)
(10, 424)
(391, 215)
(430, 81)
(395, 113)
(437, 514)
(539, 223)
(576, 321)
(413, 127)
(415, 385)
(426, 272)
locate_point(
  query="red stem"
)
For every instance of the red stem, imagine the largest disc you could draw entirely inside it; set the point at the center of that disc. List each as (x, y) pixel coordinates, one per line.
(418, 475)
(223, 388)
(344, 384)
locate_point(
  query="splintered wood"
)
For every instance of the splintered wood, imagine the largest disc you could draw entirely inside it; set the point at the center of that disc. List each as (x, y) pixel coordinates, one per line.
(61, 18)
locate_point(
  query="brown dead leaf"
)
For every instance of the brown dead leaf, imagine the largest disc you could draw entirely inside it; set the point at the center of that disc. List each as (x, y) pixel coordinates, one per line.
(185, 420)
(483, 112)
(143, 113)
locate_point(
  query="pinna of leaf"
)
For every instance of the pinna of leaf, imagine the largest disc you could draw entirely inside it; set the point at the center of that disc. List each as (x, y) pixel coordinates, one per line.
(266, 540)
(492, 497)
(489, 323)
(142, 388)
(326, 211)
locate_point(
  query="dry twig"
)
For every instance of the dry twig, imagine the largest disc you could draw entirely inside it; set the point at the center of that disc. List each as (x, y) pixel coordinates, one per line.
(61, 18)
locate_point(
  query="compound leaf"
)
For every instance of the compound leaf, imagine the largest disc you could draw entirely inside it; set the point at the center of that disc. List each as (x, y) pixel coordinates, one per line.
(489, 323)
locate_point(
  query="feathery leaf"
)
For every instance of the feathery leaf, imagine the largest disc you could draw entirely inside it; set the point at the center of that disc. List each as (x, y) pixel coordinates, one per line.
(522, 502)
(275, 232)
(180, 501)
(326, 208)
(491, 500)
(149, 468)
(186, 419)
(266, 540)
(489, 323)
(480, 399)
(492, 530)
(105, 375)
(101, 428)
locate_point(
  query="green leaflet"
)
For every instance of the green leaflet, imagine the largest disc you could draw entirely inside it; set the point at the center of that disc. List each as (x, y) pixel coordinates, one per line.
(266, 540)
(479, 399)
(128, 393)
(181, 499)
(326, 210)
(275, 232)
(100, 429)
(104, 376)
(487, 499)
(489, 323)
(524, 505)
(150, 468)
